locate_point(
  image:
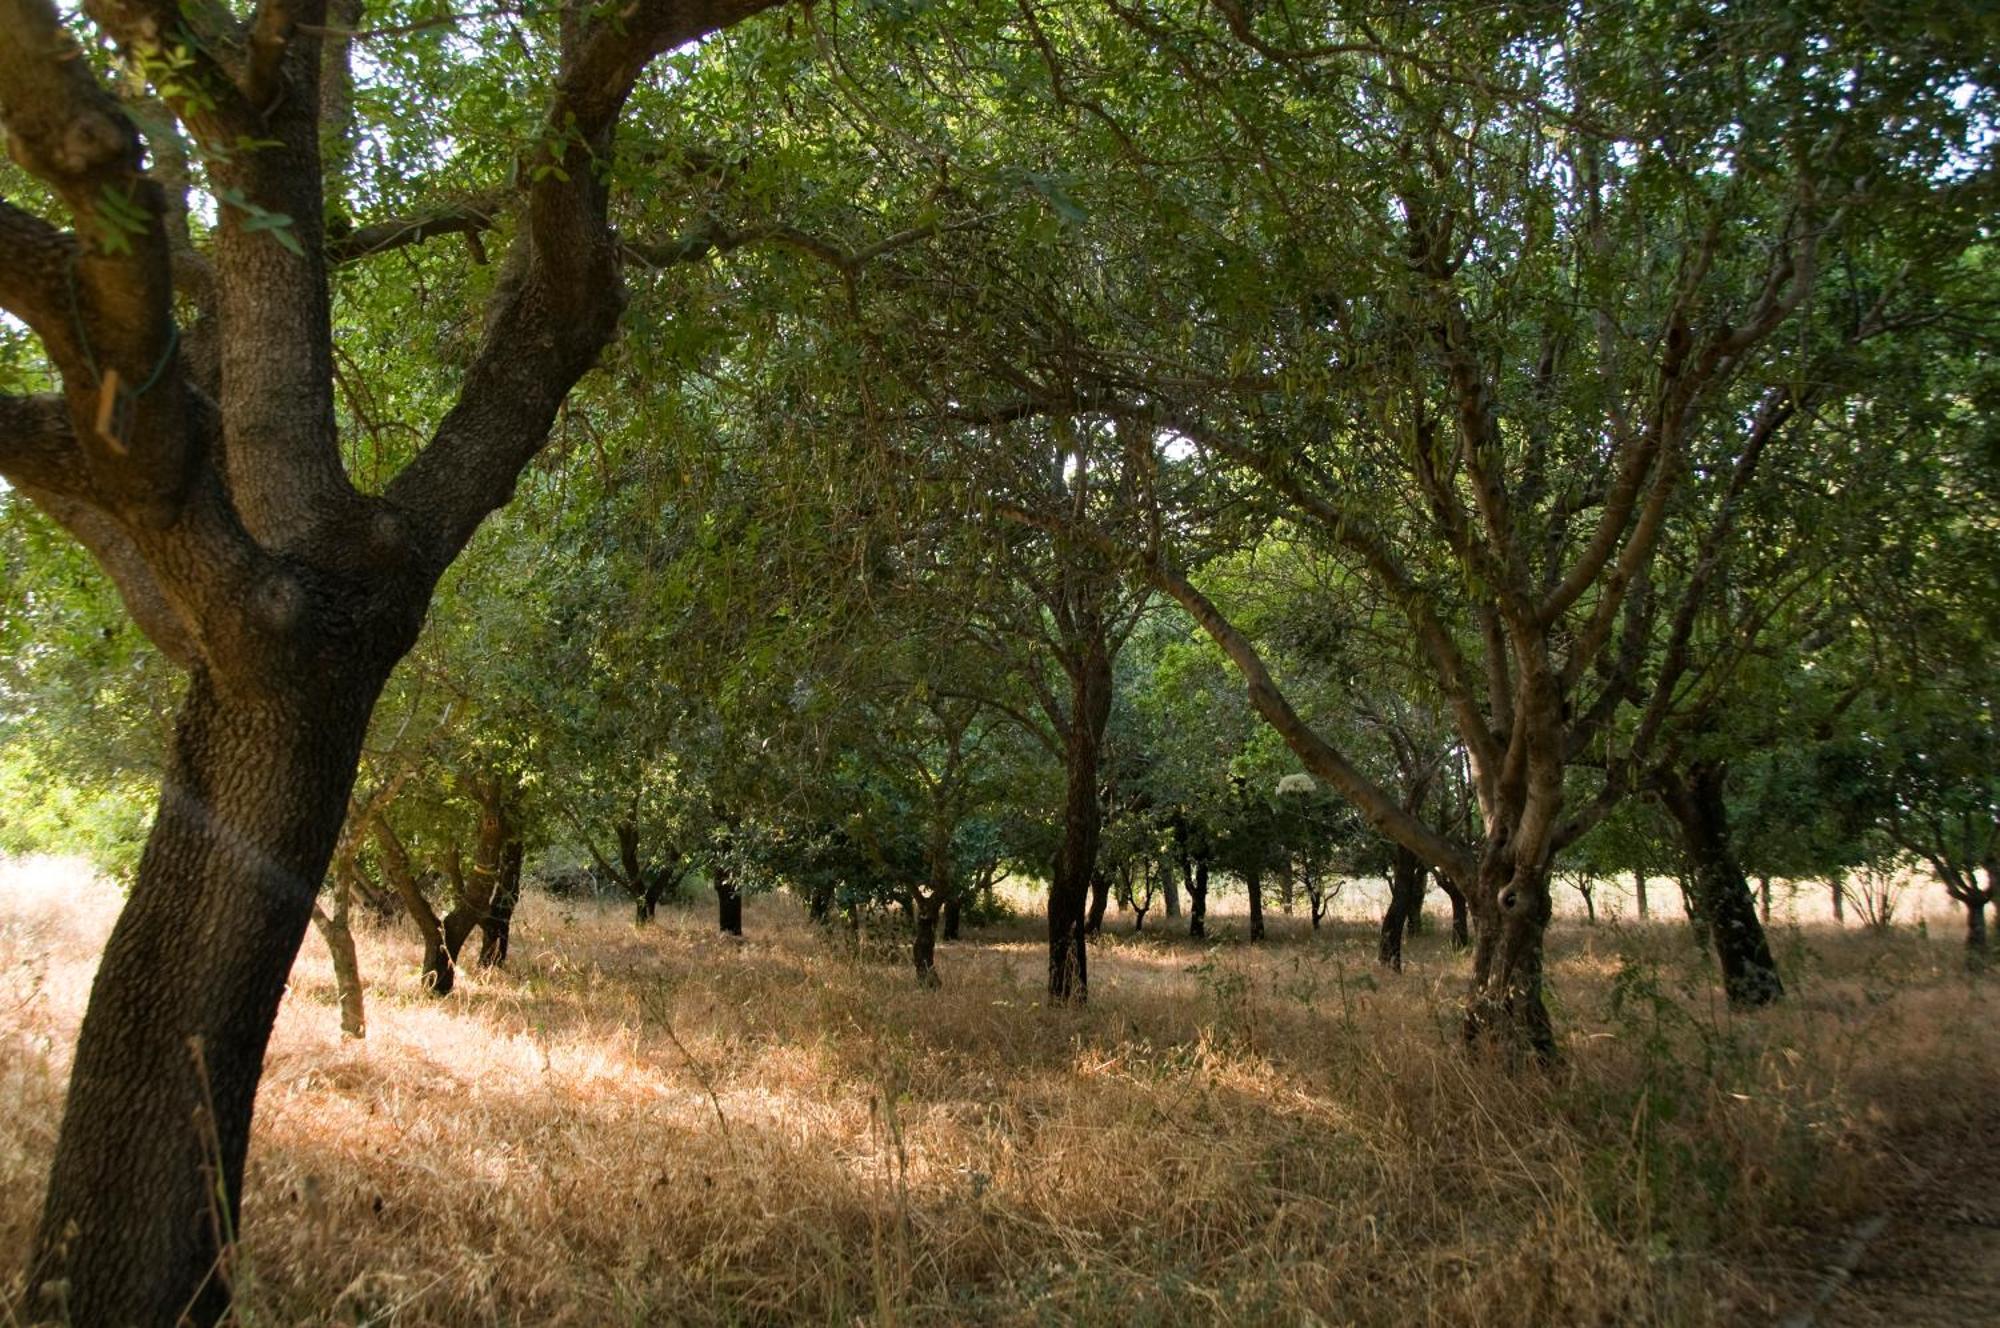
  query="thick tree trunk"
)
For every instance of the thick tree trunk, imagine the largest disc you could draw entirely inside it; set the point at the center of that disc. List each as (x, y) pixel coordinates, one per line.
(1171, 887)
(1100, 896)
(728, 902)
(1722, 892)
(1406, 896)
(1254, 884)
(1975, 931)
(1198, 900)
(1076, 861)
(1839, 900)
(1764, 899)
(1505, 1011)
(145, 1187)
(951, 918)
(924, 918)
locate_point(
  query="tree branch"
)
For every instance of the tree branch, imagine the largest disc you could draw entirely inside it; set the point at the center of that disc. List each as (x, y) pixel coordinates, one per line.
(560, 291)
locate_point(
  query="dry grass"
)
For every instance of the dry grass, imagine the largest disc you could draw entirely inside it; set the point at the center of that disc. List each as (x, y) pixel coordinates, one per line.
(666, 1126)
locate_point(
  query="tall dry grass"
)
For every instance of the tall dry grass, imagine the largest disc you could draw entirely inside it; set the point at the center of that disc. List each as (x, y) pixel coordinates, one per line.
(662, 1126)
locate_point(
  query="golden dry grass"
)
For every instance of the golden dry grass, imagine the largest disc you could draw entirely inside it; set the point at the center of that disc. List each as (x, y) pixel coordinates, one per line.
(666, 1126)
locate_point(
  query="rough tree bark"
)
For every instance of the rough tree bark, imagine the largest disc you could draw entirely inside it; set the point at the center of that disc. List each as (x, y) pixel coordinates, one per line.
(1253, 885)
(204, 474)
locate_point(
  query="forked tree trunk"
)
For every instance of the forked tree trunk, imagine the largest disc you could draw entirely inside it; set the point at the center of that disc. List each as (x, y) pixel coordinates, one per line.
(144, 1189)
(1255, 885)
(1406, 896)
(1100, 896)
(1076, 860)
(645, 894)
(498, 924)
(1721, 891)
(1505, 1011)
(1198, 900)
(439, 972)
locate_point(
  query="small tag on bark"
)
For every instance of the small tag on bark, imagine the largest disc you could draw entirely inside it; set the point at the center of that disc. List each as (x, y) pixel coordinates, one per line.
(115, 406)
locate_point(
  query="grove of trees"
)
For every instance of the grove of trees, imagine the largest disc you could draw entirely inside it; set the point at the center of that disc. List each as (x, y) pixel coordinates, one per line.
(872, 450)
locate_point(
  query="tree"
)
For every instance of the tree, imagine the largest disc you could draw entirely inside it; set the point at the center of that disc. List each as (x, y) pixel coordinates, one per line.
(203, 470)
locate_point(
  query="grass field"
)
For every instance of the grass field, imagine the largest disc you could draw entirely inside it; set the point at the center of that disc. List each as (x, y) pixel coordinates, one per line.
(664, 1125)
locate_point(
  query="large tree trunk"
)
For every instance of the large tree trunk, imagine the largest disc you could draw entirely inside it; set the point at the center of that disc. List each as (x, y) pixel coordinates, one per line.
(1171, 887)
(1254, 884)
(1406, 896)
(952, 909)
(1076, 861)
(1722, 893)
(924, 919)
(146, 1183)
(1975, 931)
(1505, 1011)
(1198, 900)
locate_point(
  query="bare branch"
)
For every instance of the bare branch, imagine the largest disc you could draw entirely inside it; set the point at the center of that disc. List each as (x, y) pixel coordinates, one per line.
(471, 216)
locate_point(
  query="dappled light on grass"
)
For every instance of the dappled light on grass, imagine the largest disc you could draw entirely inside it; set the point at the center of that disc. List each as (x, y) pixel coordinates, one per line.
(661, 1125)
